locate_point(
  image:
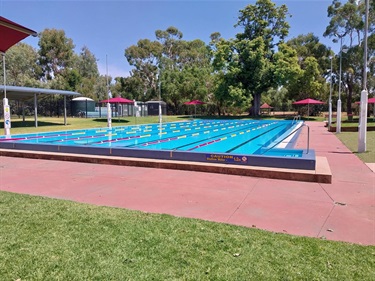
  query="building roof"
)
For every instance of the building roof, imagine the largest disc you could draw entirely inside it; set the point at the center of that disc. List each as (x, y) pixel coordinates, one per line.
(11, 33)
(26, 93)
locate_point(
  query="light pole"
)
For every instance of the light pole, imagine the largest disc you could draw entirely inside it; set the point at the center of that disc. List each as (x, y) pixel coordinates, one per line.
(362, 128)
(338, 126)
(330, 99)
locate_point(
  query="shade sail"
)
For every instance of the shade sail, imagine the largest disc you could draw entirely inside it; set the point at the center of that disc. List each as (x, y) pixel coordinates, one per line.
(309, 101)
(11, 33)
(118, 100)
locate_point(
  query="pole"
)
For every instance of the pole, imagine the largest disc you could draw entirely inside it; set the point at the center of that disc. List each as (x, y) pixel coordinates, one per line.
(338, 127)
(109, 113)
(7, 121)
(160, 110)
(330, 101)
(362, 129)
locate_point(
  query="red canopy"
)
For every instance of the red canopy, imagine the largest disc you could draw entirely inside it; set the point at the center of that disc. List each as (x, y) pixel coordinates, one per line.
(370, 100)
(195, 102)
(309, 101)
(117, 100)
(11, 33)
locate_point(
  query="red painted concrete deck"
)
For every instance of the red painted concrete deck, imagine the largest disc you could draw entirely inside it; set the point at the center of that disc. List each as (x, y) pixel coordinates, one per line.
(343, 210)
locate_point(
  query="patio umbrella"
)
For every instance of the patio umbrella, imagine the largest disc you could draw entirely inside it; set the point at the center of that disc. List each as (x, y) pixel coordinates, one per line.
(370, 100)
(118, 100)
(194, 102)
(308, 101)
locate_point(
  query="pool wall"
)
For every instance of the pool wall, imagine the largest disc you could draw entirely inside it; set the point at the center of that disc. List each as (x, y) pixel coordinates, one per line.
(305, 161)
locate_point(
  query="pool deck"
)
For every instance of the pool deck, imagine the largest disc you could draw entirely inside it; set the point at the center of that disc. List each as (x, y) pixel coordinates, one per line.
(343, 210)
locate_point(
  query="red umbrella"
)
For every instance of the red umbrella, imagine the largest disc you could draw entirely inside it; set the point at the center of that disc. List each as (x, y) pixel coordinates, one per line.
(117, 100)
(370, 100)
(194, 102)
(308, 102)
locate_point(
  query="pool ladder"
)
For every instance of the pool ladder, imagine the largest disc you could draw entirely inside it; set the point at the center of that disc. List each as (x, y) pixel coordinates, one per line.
(296, 119)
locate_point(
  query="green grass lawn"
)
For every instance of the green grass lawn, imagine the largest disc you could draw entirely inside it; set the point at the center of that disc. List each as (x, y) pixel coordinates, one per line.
(48, 124)
(50, 239)
(350, 140)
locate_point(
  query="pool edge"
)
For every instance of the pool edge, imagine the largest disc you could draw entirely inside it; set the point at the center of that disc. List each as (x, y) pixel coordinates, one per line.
(321, 174)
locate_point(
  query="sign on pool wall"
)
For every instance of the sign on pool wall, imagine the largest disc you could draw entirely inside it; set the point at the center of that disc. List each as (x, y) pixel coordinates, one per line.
(227, 159)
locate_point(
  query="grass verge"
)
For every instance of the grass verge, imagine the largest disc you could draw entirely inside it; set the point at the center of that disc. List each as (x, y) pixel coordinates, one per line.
(350, 140)
(49, 239)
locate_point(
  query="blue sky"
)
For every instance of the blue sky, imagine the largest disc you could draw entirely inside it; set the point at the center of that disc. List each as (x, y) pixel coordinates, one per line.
(107, 28)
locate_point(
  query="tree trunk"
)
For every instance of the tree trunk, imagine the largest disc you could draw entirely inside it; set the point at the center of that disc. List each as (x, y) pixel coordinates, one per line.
(255, 105)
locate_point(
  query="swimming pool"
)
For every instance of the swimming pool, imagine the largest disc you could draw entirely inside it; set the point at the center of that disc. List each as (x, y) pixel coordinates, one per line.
(244, 142)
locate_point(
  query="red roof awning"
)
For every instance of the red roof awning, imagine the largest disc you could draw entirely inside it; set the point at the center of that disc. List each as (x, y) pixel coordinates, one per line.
(11, 33)
(266, 106)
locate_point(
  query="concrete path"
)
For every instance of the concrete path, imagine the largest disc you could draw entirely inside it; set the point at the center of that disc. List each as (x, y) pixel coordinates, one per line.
(342, 211)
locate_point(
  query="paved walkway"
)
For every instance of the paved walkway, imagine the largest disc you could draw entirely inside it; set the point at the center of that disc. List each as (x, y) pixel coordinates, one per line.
(343, 210)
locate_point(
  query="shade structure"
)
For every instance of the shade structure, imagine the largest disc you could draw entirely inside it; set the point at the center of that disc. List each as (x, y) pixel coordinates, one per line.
(308, 101)
(117, 100)
(11, 33)
(370, 100)
(194, 102)
(265, 106)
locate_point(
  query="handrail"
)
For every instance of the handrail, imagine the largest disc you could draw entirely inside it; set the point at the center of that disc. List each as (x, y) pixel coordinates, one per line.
(296, 118)
(308, 138)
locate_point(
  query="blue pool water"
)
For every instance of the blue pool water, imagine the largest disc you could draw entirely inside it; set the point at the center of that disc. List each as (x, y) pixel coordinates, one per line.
(199, 140)
(230, 136)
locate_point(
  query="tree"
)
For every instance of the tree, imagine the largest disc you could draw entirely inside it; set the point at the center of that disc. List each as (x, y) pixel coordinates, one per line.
(87, 68)
(247, 61)
(55, 53)
(175, 68)
(86, 64)
(347, 21)
(309, 46)
(21, 65)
